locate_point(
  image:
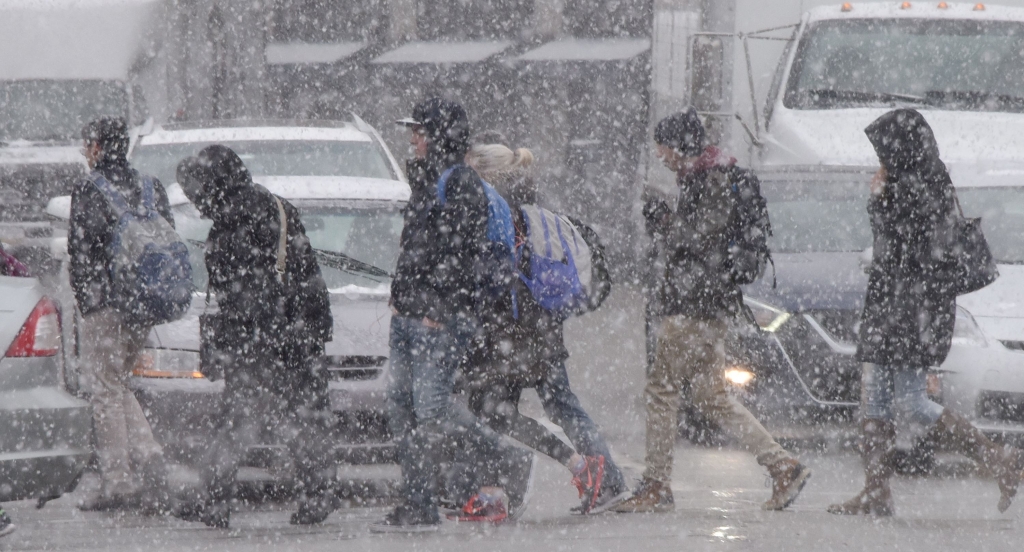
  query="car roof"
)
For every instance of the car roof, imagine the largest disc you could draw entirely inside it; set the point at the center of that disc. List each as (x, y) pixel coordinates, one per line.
(915, 10)
(328, 188)
(255, 129)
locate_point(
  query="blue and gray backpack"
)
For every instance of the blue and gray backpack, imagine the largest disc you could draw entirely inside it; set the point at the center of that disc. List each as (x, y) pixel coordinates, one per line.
(150, 273)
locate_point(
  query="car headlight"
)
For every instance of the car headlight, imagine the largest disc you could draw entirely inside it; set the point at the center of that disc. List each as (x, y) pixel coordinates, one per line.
(768, 318)
(738, 376)
(167, 363)
(966, 331)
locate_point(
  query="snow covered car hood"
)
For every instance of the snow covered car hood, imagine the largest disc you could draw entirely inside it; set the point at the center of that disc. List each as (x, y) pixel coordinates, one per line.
(836, 137)
(999, 308)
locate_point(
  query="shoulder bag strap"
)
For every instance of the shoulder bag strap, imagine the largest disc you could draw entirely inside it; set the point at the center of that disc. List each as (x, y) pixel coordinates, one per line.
(282, 241)
(956, 200)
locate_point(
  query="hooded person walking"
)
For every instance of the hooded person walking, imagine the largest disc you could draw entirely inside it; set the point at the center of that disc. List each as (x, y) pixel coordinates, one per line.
(909, 313)
(272, 321)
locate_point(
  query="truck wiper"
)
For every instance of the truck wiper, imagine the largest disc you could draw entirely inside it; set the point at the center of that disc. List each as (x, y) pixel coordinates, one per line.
(861, 96)
(973, 98)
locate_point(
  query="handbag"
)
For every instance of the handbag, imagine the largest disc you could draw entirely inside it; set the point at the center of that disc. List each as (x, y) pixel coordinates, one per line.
(975, 266)
(213, 356)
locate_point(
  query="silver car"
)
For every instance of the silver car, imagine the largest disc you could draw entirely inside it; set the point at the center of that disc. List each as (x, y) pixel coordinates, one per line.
(45, 432)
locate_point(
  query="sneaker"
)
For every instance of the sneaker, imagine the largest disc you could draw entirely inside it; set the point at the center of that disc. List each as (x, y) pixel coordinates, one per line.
(217, 515)
(608, 498)
(100, 502)
(6, 525)
(483, 508)
(519, 487)
(650, 496)
(588, 482)
(406, 520)
(788, 478)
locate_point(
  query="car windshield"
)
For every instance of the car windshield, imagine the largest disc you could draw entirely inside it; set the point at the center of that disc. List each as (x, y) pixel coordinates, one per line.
(356, 241)
(56, 109)
(816, 217)
(275, 158)
(947, 64)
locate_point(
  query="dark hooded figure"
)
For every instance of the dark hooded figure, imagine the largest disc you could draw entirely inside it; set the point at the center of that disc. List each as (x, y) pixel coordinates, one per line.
(436, 298)
(909, 312)
(271, 326)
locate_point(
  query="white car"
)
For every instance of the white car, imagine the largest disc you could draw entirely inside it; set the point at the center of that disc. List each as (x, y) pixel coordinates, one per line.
(350, 192)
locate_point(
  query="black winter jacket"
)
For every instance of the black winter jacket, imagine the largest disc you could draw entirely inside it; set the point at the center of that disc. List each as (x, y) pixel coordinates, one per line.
(91, 229)
(698, 282)
(910, 306)
(444, 249)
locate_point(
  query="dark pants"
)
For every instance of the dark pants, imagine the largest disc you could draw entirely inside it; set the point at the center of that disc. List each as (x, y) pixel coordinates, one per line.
(428, 424)
(497, 402)
(255, 413)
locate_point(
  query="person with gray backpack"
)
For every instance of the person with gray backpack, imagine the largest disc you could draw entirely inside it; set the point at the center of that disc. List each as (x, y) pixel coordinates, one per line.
(129, 271)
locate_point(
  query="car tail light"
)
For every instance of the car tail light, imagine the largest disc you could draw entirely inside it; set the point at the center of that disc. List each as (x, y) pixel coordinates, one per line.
(40, 335)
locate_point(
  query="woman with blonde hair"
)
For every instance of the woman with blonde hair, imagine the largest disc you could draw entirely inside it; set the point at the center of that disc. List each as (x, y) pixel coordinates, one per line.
(525, 349)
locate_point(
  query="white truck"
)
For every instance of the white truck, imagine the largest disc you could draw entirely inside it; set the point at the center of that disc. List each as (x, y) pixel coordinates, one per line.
(62, 64)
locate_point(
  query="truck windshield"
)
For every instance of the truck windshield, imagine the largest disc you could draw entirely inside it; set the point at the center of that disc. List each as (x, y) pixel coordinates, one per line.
(44, 110)
(944, 64)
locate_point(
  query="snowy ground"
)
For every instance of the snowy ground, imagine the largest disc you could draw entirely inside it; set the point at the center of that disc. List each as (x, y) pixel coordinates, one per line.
(718, 496)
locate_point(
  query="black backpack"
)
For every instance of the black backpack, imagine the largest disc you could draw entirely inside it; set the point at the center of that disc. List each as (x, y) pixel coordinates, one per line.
(749, 255)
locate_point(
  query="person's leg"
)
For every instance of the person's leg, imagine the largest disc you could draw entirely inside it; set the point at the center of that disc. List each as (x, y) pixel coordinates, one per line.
(103, 356)
(711, 396)
(6, 525)
(1004, 462)
(497, 404)
(310, 426)
(663, 395)
(563, 408)
(878, 444)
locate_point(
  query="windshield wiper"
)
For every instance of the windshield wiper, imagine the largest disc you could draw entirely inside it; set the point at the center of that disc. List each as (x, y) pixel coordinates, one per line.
(861, 96)
(973, 98)
(341, 261)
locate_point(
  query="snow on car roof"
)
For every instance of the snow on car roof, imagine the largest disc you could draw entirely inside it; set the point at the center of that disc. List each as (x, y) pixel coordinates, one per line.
(320, 187)
(444, 52)
(344, 133)
(916, 10)
(577, 49)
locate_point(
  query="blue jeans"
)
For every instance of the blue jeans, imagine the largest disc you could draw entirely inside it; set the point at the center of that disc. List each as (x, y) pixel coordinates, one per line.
(428, 424)
(888, 391)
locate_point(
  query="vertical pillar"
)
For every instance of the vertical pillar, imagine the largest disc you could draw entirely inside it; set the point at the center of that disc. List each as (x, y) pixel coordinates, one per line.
(402, 20)
(547, 18)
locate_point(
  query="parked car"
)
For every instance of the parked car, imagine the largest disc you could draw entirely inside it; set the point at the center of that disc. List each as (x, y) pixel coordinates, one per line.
(794, 363)
(46, 433)
(350, 192)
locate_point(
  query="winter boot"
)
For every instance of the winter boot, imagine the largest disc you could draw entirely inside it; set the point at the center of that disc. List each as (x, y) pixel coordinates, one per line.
(788, 478)
(650, 496)
(877, 450)
(1004, 463)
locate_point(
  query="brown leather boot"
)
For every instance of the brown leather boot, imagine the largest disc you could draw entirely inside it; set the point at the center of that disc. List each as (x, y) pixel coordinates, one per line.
(877, 448)
(788, 478)
(650, 496)
(1004, 463)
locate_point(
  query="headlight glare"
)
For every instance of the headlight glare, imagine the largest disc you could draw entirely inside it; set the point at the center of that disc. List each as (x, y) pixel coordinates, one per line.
(739, 377)
(768, 318)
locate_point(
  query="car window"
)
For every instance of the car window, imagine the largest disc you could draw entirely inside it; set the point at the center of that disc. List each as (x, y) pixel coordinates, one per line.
(814, 216)
(366, 232)
(275, 158)
(1002, 219)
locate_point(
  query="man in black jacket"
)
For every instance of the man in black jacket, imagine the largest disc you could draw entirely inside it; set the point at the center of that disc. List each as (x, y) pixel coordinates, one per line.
(439, 288)
(698, 296)
(110, 341)
(273, 319)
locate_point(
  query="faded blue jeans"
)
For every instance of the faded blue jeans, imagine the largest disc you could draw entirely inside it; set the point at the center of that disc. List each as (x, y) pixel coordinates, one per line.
(425, 420)
(890, 391)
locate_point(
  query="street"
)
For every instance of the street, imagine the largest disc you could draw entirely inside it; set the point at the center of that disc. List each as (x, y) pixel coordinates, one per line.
(718, 494)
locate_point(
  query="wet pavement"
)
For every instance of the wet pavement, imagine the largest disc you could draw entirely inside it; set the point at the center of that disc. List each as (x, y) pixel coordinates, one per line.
(718, 494)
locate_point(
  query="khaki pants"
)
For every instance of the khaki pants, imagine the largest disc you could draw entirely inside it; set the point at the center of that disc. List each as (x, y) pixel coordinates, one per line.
(109, 350)
(691, 353)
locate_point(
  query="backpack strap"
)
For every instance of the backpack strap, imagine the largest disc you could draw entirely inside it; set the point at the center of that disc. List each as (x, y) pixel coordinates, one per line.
(442, 184)
(282, 240)
(148, 197)
(112, 195)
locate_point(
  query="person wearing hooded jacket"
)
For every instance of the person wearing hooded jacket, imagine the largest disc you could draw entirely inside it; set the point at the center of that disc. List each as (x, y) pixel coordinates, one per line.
(909, 312)
(270, 327)
(698, 296)
(444, 279)
(110, 340)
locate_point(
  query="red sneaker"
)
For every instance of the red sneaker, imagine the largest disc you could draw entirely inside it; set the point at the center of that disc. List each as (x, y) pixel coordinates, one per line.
(492, 510)
(588, 481)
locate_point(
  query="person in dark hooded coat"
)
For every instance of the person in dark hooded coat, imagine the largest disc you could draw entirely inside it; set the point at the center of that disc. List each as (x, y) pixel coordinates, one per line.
(909, 312)
(270, 328)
